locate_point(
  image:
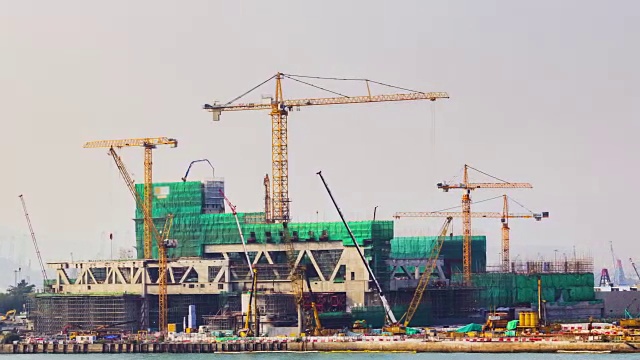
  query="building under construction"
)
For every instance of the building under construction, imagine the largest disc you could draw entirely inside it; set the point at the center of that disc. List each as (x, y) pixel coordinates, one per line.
(208, 269)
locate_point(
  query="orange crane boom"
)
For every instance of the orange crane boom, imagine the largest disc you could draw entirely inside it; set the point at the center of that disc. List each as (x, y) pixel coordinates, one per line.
(148, 144)
(279, 110)
(466, 211)
(504, 218)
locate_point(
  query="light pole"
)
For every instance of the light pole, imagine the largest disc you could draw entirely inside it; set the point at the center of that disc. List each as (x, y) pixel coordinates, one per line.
(374, 212)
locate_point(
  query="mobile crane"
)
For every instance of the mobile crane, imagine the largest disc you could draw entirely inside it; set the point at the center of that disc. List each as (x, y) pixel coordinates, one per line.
(390, 318)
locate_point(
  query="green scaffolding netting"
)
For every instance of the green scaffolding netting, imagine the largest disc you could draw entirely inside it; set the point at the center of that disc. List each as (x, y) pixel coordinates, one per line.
(507, 289)
(419, 247)
(194, 229)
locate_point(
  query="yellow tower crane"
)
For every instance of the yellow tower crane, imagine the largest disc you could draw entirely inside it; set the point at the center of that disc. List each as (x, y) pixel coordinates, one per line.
(279, 110)
(148, 144)
(162, 240)
(466, 211)
(504, 218)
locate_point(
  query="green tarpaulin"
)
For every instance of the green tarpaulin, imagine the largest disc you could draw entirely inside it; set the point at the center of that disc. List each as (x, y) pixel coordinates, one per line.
(469, 328)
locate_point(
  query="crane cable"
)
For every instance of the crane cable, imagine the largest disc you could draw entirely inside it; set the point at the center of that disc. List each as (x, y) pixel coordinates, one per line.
(354, 79)
(485, 200)
(248, 91)
(316, 86)
(292, 77)
(491, 176)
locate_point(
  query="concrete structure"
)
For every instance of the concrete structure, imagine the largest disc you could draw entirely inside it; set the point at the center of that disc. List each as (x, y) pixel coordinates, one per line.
(618, 303)
(132, 285)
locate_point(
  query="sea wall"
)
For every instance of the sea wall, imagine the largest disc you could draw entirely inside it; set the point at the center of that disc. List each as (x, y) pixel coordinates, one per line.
(474, 347)
(329, 346)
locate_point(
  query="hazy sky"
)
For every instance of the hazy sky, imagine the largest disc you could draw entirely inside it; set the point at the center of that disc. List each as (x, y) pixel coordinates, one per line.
(540, 92)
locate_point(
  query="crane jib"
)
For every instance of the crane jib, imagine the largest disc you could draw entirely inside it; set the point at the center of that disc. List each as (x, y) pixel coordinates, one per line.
(329, 101)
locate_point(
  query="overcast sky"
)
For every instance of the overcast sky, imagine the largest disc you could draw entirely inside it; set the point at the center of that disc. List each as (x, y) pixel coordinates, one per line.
(541, 92)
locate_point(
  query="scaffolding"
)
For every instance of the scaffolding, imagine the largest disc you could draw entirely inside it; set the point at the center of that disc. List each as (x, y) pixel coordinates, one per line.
(277, 307)
(542, 266)
(225, 322)
(52, 313)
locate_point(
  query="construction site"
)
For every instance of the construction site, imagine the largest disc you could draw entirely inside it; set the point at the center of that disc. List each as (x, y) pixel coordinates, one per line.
(202, 266)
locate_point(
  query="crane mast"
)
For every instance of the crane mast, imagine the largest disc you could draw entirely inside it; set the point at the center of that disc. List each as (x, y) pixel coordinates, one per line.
(504, 254)
(33, 237)
(279, 112)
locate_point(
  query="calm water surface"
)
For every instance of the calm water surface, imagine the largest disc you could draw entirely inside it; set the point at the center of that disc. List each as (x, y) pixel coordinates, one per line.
(323, 356)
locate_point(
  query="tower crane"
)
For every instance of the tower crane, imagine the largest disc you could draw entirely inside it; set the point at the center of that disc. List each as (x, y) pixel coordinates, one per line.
(162, 240)
(33, 237)
(466, 211)
(148, 144)
(504, 218)
(279, 108)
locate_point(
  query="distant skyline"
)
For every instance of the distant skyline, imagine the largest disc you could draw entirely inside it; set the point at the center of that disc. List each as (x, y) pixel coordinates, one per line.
(541, 92)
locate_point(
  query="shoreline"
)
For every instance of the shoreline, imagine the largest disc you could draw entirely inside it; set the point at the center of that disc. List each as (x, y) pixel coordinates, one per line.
(406, 346)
